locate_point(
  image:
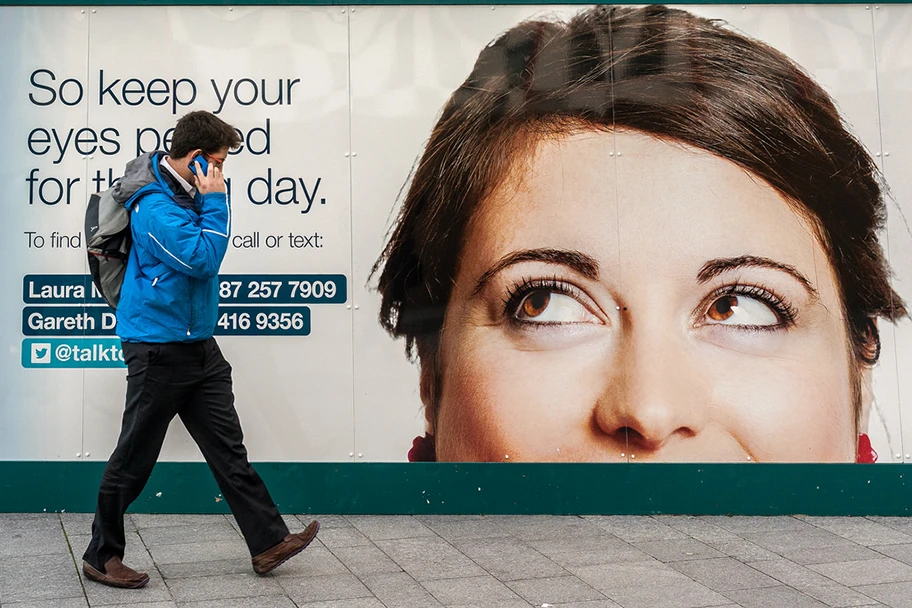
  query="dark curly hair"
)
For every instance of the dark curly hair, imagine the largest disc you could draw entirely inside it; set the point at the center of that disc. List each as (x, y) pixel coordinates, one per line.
(202, 130)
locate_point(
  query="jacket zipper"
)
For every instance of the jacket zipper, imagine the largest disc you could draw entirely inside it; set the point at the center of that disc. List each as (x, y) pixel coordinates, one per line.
(192, 304)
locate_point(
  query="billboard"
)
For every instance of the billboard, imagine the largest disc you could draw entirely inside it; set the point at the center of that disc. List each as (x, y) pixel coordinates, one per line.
(595, 234)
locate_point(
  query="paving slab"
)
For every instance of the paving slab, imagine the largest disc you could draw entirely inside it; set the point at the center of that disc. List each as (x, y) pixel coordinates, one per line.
(774, 597)
(63, 602)
(324, 588)
(474, 561)
(683, 594)
(635, 528)
(430, 558)
(390, 527)
(895, 595)
(509, 559)
(555, 590)
(724, 574)
(678, 550)
(472, 590)
(902, 553)
(861, 530)
(222, 587)
(364, 561)
(865, 572)
(44, 577)
(401, 590)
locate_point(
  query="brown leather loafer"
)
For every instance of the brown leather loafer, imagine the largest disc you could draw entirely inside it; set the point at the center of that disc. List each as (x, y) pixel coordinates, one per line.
(116, 574)
(269, 560)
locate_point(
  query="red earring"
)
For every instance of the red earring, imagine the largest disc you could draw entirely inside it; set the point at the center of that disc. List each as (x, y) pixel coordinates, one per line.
(423, 449)
(866, 453)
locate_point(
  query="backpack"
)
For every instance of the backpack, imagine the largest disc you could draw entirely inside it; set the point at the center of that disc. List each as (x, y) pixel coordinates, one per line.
(108, 242)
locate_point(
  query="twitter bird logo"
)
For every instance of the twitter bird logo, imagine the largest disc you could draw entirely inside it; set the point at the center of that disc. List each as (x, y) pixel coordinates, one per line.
(41, 352)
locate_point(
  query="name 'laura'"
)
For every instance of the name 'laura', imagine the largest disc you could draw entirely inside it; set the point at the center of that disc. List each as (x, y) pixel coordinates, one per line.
(54, 292)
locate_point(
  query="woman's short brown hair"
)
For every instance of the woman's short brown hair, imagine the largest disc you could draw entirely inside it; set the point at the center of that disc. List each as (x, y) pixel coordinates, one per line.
(663, 72)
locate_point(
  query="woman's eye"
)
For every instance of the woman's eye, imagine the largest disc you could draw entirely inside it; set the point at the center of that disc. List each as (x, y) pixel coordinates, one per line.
(546, 306)
(741, 310)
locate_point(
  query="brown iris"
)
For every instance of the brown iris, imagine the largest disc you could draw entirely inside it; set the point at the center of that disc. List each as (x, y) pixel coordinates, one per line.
(535, 303)
(723, 308)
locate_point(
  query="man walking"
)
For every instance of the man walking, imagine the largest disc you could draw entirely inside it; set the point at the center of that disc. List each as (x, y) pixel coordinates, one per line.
(180, 218)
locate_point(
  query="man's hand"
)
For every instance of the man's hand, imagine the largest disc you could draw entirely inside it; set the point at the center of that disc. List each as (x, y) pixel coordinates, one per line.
(213, 181)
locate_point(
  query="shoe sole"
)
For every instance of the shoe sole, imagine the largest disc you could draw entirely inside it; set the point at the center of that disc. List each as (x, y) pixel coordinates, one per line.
(100, 577)
(296, 552)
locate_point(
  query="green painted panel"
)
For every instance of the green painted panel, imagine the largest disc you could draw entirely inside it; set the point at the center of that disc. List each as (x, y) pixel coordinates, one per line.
(489, 488)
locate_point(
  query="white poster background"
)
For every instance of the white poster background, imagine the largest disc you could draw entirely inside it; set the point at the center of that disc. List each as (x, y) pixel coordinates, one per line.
(40, 413)
(346, 391)
(293, 393)
(401, 73)
(892, 24)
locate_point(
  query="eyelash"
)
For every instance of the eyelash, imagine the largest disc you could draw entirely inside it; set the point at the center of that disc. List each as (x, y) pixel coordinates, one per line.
(781, 307)
(518, 291)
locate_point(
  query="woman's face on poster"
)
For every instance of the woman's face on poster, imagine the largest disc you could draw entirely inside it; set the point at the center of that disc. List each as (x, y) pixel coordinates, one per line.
(623, 297)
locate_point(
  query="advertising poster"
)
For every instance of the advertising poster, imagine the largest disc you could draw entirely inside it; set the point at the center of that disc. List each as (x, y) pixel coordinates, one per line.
(598, 234)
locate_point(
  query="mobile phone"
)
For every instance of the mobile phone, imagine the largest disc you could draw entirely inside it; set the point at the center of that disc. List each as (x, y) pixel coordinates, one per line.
(202, 161)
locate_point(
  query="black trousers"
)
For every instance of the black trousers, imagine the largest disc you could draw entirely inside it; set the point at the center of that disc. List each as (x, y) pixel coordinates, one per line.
(193, 381)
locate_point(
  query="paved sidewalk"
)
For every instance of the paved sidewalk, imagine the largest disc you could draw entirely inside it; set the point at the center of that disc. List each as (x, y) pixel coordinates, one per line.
(200, 561)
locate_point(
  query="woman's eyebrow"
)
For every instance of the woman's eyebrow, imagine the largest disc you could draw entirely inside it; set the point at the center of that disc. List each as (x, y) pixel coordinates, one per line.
(715, 267)
(580, 262)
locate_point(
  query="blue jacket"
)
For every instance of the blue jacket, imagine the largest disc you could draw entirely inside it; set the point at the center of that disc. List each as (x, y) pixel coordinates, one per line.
(170, 289)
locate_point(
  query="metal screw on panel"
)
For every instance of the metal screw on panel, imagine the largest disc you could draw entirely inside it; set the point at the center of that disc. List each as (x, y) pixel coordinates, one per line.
(886, 154)
(357, 307)
(622, 454)
(908, 456)
(79, 454)
(351, 454)
(343, 11)
(353, 10)
(83, 11)
(877, 154)
(230, 9)
(899, 456)
(633, 455)
(87, 454)
(94, 10)
(346, 155)
(360, 455)
(619, 153)
(354, 154)
(348, 306)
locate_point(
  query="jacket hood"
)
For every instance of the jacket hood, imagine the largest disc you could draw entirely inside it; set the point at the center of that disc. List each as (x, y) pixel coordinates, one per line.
(140, 172)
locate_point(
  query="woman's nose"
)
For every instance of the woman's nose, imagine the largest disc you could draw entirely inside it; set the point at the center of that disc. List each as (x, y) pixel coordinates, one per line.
(654, 394)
